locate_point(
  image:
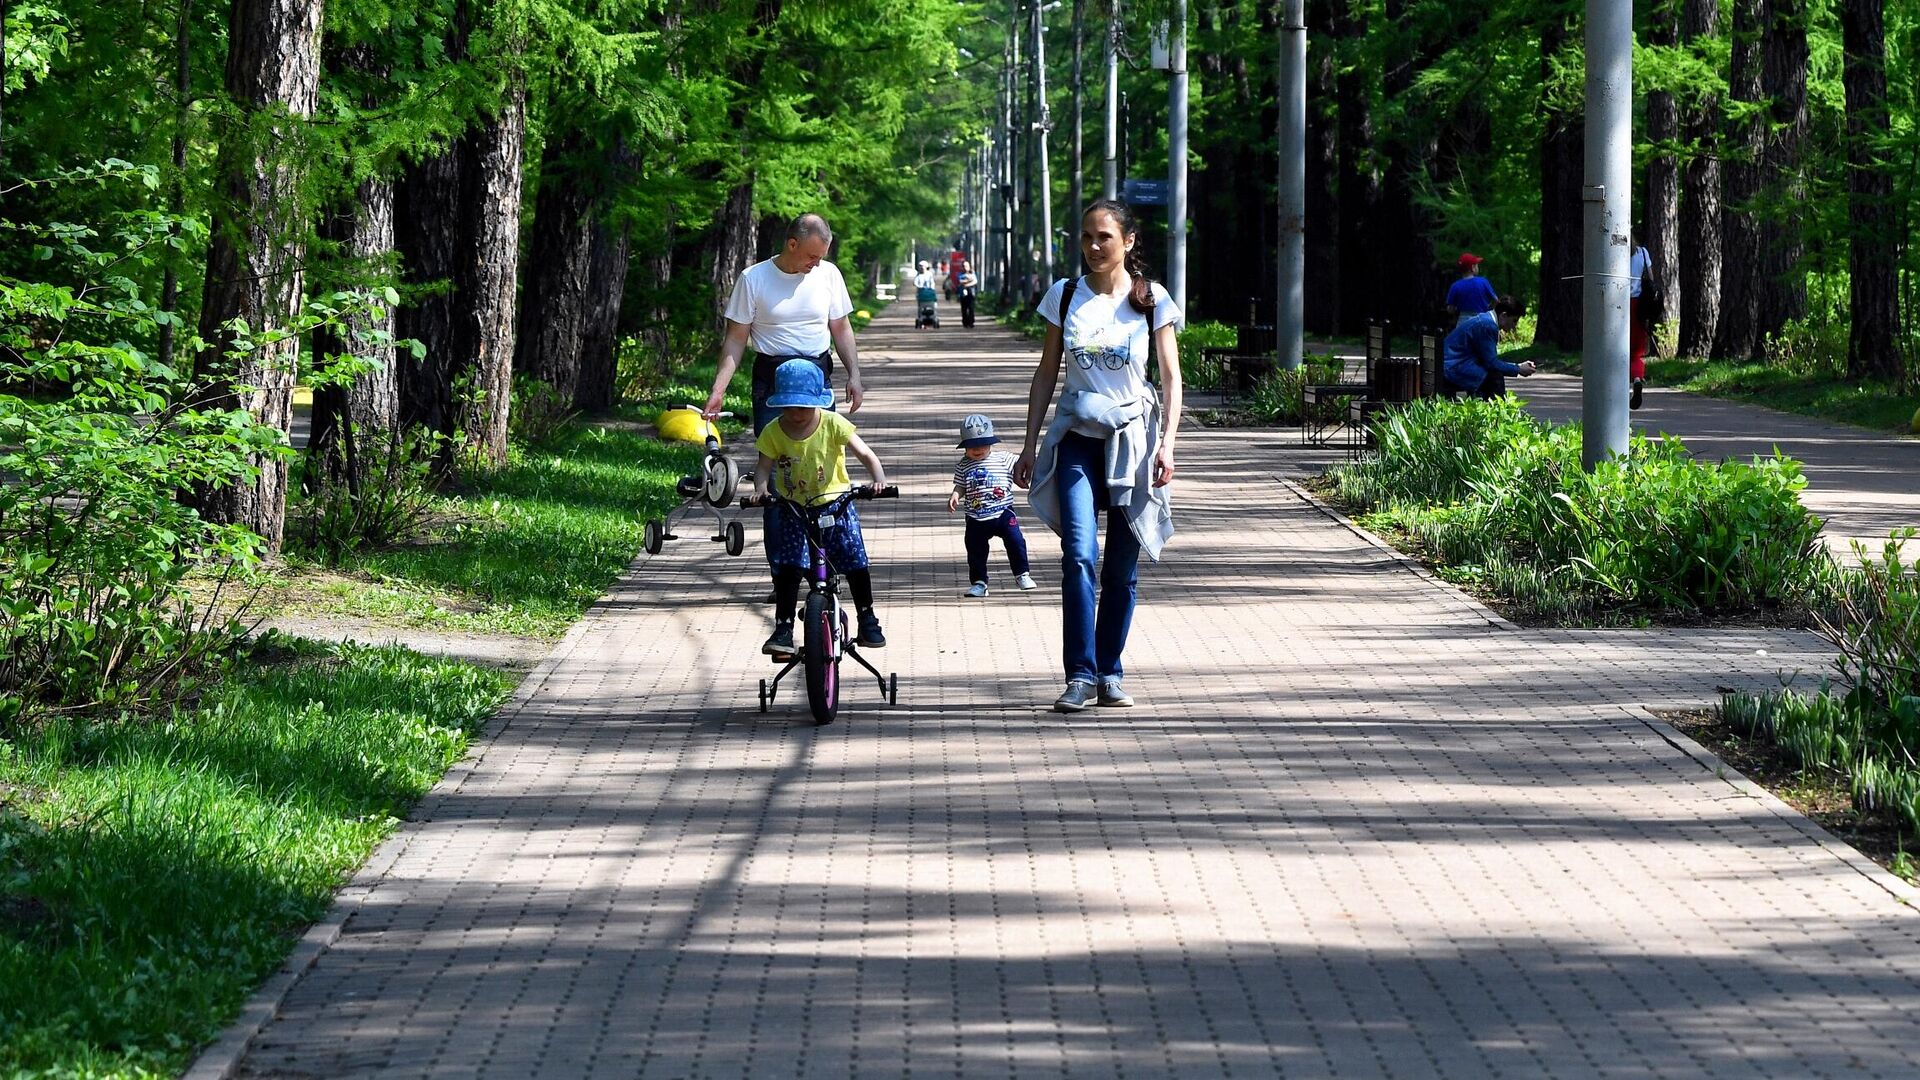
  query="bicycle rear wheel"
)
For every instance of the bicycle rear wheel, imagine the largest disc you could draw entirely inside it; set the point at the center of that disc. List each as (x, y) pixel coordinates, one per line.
(823, 656)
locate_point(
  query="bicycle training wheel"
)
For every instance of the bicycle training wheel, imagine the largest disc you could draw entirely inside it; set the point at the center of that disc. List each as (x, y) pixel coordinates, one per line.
(653, 536)
(823, 657)
(736, 538)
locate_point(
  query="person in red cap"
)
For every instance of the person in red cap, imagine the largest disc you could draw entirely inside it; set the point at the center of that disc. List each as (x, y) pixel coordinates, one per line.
(1472, 294)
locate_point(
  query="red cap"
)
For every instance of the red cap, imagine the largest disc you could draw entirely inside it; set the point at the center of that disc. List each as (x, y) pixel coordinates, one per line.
(1468, 258)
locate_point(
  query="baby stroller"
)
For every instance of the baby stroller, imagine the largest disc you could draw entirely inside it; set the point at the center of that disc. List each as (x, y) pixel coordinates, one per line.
(929, 316)
(709, 492)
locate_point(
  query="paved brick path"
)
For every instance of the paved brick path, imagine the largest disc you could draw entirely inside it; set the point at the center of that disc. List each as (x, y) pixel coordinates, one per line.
(1353, 830)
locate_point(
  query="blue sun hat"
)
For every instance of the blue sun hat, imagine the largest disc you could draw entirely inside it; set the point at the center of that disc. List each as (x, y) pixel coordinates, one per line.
(800, 383)
(977, 430)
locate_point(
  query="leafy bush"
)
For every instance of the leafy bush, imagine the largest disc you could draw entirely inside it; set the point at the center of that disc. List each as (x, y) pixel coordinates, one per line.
(96, 546)
(387, 499)
(1486, 489)
(540, 412)
(1276, 397)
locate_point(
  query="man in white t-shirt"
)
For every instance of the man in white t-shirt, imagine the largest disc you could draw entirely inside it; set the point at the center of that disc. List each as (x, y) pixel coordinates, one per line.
(794, 305)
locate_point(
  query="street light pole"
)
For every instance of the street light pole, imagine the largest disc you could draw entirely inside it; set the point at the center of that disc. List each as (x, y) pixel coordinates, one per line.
(1110, 178)
(1608, 202)
(1177, 160)
(1290, 307)
(1043, 122)
(1077, 192)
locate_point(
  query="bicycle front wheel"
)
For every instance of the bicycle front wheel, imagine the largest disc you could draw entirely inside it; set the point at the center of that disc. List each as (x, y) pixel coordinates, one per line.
(823, 656)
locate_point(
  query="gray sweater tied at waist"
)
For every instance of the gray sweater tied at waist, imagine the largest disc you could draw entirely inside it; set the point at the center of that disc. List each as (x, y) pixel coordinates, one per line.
(1131, 430)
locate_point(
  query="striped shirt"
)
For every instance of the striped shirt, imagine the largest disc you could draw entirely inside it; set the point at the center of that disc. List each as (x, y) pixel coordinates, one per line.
(986, 485)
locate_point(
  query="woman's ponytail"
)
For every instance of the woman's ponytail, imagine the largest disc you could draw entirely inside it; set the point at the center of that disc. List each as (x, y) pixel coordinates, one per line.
(1142, 295)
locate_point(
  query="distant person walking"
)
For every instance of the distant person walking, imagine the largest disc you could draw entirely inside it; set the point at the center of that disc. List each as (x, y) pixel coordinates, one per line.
(1644, 295)
(1470, 294)
(792, 306)
(1109, 451)
(968, 290)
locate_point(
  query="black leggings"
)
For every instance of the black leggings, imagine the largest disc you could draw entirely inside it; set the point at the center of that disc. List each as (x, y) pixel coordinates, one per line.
(786, 591)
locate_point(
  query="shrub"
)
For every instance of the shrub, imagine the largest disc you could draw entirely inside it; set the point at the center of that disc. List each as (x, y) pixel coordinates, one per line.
(540, 412)
(96, 546)
(388, 499)
(1656, 529)
(1276, 397)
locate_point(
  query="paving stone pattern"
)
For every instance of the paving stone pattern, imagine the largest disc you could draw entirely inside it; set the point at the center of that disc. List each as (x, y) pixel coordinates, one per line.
(1353, 829)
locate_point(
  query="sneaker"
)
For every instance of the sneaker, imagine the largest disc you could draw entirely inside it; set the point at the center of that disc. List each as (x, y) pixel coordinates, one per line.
(1112, 695)
(979, 589)
(1026, 581)
(781, 643)
(1639, 389)
(1079, 692)
(870, 635)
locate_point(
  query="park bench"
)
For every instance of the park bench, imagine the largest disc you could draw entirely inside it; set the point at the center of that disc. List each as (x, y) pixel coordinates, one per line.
(884, 291)
(1327, 408)
(1240, 367)
(1394, 381)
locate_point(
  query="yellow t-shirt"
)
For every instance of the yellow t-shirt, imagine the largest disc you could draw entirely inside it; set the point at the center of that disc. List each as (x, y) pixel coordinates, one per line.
(812, 470)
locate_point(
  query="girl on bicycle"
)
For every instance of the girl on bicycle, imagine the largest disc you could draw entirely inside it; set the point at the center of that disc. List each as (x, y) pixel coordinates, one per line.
(1110, 447)
(805, 451)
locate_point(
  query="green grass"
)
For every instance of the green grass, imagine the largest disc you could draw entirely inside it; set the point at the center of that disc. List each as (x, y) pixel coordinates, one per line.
(525, 549)
(1808, 393)
(1815, 391)
(153, 872)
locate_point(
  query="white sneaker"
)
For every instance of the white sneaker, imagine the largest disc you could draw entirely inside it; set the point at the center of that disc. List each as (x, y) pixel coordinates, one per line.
(979, 589)
(1026, 581)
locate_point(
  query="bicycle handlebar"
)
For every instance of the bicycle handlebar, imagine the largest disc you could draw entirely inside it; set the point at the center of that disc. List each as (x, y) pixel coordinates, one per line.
(697, 408)
(858, 491)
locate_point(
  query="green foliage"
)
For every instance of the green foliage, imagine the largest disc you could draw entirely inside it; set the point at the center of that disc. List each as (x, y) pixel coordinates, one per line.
(151, 873)
(525, 549)
(388, 500)
(539, 412)
(96, 546)
(1487, 490)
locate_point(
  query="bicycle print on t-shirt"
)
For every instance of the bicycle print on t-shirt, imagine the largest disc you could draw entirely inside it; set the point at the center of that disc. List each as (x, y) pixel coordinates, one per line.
(1107, 348)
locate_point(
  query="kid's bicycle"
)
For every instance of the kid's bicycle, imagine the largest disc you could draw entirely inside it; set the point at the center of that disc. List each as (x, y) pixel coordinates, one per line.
(824, 639)
(711, 491)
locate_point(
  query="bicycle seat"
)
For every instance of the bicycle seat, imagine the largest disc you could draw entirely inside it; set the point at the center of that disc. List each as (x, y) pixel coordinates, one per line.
(690, 487)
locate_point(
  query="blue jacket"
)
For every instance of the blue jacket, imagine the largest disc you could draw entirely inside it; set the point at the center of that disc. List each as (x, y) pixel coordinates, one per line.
(1472, 352)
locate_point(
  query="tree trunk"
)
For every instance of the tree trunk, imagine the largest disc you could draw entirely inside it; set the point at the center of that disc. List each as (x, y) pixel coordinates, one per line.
(177, 182)
(1783, 291)
(1562, 177)
(342, 415)
(1738, 336)
(732, 243)
(1872, 352)
(559, 258)
(431, 232)
(1662, 215)
(607, 288)
(255, 254)
(1324, 225)
(1358, 184)
(1700, 220)
(493, 270)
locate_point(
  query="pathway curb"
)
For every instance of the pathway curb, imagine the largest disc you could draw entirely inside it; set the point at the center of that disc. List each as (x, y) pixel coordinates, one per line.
(221, 1059)
(1418, 568)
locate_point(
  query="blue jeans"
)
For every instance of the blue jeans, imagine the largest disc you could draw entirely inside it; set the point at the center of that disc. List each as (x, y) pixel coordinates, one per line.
(1095, 628)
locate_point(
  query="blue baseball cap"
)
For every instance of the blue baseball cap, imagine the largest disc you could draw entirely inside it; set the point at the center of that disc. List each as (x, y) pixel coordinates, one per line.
(800, 383)
(977, 430)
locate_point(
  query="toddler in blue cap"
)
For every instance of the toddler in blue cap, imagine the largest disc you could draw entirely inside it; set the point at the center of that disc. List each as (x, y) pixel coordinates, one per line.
(803, 453)
(983, 484)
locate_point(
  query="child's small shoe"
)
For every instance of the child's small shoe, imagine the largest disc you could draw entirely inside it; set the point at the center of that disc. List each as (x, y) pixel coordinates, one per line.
(978, 590)
(870, 635)
(1026, 582)
(781, 643)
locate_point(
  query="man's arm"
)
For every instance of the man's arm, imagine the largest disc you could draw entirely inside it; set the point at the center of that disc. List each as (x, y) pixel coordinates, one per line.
(732, 345)
(841, 330)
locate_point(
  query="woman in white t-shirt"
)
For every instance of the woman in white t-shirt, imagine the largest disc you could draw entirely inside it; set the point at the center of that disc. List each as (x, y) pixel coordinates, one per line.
(1109, 424)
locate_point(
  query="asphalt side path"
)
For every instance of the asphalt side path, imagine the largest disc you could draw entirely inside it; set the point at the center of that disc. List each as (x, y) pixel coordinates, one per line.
(1355, 828)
